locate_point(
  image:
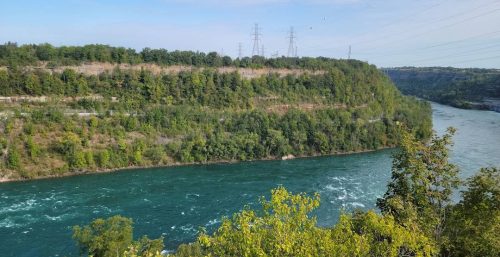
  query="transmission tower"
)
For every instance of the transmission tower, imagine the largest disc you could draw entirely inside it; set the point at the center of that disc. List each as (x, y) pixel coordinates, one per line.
(256, 39)
(240, 51)
(349, 53)
(292, 49)
(262, 53)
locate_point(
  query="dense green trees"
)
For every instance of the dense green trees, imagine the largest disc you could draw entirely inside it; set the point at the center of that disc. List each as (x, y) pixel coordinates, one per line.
(422, 184)
(14, 55)
(473, 225)
(13, 158)
(112, 237)
(340, 84)
(419, 197)
(285, 227)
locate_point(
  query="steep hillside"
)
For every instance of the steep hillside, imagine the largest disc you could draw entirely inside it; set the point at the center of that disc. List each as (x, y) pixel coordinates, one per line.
(68, 120)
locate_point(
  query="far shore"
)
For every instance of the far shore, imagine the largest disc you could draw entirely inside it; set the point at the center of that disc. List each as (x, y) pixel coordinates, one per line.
(176, 164)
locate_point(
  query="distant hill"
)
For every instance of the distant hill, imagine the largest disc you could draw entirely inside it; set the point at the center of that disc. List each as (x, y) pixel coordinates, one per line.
(463, 88)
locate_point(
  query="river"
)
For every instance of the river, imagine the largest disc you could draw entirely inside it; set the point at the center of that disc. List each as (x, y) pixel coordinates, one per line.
(36, 216)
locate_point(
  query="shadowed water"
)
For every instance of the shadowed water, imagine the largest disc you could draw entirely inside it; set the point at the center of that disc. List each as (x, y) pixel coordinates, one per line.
(36, 216)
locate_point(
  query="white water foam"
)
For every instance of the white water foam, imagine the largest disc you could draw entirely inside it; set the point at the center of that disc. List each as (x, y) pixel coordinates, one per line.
(212, 222)
(22, 206)
(356, 205)
(7, 223)
(192, 195)
(52, 218)
(188, 229)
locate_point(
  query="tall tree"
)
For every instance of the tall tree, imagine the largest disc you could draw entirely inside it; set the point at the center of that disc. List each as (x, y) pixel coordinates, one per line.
(474, 224)
(112, 237)
(422, 183)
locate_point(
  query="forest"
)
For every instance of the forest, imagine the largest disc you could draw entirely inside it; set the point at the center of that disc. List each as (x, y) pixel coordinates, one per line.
(13, 55)
(417, 218)
(61, 123)
(462, 88)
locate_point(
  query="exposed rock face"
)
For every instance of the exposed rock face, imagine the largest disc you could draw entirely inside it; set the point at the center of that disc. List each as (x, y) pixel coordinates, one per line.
(96, 68)
(288, 157)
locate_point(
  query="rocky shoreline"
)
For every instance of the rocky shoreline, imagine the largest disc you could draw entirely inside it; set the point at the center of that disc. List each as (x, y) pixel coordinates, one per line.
(177, 164)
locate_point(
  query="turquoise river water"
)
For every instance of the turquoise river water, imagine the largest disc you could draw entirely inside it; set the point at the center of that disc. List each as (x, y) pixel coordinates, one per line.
(36, 216)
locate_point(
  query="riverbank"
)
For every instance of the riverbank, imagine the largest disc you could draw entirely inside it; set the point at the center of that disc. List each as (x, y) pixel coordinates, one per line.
(490, 104)
(486, 104)
(178, 164)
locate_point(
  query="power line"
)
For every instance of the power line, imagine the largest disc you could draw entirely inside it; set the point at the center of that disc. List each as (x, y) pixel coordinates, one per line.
(398, 21)
(422, 49)
(449, 25)
(240, 50)
(435, 21)
(256, 39)
(446, 26)
(429, 60)
(292, 51)
(459, 55)
(407, 17)
(465, 20)
(478, 59)
(466, 11)
(425, 32)
(461, 40)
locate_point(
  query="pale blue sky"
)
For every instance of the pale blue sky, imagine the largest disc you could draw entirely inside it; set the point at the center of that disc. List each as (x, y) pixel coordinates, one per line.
(461, 33)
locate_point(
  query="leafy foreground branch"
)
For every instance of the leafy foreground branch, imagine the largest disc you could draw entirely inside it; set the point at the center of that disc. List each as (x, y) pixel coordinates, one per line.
(417, 219)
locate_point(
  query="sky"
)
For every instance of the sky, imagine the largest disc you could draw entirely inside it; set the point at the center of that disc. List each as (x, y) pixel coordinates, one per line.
(387, 33)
